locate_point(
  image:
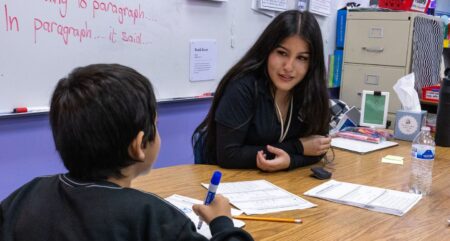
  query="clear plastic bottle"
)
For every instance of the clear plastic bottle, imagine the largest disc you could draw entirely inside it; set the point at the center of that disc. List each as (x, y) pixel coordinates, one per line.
(422, 158)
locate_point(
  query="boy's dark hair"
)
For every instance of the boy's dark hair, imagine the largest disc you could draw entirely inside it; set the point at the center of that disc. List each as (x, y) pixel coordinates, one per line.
(95, 113)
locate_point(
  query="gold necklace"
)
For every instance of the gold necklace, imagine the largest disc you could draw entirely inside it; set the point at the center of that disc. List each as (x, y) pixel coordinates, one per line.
(283, 131)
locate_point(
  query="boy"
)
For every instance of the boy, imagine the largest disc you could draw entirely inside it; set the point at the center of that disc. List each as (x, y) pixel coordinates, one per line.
(103, 119)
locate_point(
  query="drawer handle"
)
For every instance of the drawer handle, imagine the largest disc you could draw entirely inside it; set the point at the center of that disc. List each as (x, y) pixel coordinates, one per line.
(373, 49)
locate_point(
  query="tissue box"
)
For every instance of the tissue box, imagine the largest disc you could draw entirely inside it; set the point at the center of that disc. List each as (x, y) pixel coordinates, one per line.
(408, 124)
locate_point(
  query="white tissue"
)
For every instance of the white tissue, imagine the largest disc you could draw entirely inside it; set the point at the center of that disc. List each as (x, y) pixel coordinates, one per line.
(407, 94)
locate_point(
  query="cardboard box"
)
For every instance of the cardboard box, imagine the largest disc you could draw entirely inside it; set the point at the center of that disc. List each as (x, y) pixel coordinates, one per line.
(405, 5)
(408, 124)
(431, 93)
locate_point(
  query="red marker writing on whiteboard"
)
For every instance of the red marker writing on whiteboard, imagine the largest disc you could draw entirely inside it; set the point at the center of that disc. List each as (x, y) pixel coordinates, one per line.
(30, 109)
(204, 95)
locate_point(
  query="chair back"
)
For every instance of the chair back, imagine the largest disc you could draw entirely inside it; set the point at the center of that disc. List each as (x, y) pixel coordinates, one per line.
(198, 147)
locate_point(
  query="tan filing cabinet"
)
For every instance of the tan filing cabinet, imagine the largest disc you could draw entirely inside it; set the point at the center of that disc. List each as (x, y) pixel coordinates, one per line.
(377, 52)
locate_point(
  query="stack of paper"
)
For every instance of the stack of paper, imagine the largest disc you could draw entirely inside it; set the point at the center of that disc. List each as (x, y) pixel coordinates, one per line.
(360, 146)
(260, 197)
(372, 198)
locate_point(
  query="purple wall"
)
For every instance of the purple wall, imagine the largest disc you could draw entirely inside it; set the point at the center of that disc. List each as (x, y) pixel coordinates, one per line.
(27, 149)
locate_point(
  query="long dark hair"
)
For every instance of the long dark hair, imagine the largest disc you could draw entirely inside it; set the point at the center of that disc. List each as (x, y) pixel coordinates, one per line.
(313, 90)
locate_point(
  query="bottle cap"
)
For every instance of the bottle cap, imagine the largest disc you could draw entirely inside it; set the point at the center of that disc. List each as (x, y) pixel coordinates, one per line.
(216, 178)
(425, 128)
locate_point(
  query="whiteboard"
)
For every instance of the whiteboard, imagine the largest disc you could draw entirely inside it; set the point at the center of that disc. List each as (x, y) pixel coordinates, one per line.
(43, 40)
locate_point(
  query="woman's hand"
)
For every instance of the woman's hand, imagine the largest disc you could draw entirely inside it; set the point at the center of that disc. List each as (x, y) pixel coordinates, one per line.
(315, 145)
(220, 206)
(281, 161)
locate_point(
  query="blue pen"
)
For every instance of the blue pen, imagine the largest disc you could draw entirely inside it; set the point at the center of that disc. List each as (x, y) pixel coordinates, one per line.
(213, 185)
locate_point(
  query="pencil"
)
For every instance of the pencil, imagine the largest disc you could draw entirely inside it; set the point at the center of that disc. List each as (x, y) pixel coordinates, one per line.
(270, 219)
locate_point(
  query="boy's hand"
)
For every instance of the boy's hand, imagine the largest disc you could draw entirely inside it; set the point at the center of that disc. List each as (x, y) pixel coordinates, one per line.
(220, 206)
(315, 145)
(281, 161)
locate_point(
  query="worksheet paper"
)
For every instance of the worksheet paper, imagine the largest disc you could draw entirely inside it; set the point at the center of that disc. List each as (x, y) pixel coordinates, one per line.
(255, 7)
(321, 7)
(360, 147)
(185, 205)
(203, 59)
(275, 5)
(260, 197)
(371, 198)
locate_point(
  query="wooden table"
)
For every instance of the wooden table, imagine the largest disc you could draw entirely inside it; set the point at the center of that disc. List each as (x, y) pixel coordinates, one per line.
(330, 221)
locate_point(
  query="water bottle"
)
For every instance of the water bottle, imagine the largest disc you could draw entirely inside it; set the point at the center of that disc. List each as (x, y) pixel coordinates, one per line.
(422, 158)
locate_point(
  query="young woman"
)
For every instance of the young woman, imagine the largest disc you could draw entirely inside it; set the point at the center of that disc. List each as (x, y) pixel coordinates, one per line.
(271, 110)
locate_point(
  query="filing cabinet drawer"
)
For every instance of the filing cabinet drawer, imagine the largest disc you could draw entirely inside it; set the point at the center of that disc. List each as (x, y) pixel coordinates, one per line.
(357, 77)
(381, 42)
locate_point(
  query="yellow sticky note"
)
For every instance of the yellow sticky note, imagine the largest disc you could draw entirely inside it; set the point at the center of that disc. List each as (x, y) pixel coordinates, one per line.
(393, 159)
